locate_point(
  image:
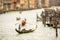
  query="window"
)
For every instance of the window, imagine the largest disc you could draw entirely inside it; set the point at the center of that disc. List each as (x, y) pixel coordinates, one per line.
(43, 1)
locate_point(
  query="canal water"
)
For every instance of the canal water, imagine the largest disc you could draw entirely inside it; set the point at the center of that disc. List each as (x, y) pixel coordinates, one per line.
(7, 28)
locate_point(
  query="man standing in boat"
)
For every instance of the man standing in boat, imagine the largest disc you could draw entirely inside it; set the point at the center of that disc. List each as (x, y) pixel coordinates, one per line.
(22, 25)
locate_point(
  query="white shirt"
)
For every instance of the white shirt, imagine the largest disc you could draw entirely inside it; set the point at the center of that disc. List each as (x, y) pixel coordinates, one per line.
(27, 27)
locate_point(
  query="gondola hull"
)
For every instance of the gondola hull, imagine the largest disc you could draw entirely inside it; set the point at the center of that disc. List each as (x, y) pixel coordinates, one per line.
(27, 31)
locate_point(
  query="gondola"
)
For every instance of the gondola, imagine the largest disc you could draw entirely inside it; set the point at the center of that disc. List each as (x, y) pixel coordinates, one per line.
(27, 31)
(49, 25)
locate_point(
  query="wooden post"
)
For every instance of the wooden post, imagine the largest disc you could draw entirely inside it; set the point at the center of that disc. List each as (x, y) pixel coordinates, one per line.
(56, 32)
(56, 22)
(56, 27)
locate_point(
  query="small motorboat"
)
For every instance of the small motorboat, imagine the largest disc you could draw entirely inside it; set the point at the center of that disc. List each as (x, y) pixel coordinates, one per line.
(26, 31)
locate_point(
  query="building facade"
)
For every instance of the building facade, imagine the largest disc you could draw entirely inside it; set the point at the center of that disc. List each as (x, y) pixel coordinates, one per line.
(23, 4)
(17, 4)
(1, 5)
(27, 4)
(54, 2)
(13, 4)
(31, 4)
(7, 4)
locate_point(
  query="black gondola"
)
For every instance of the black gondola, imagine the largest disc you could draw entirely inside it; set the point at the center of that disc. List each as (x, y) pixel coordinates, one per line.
(27, 31)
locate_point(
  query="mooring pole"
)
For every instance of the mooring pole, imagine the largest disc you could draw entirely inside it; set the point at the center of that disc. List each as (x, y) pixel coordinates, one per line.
(56, 29)
(56, 32)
